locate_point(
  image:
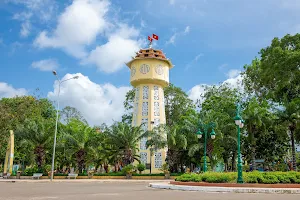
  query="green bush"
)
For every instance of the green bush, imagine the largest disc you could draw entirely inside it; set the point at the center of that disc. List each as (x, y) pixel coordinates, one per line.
(269, 179)
(249, 177)
(29, 171)
(111, 174)
(176, 174)
(253, 177)
(128, 169)
(141, 167)
(60, 174)
(161, 174)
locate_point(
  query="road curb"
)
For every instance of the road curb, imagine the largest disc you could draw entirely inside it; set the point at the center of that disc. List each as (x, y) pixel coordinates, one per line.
(225, 189)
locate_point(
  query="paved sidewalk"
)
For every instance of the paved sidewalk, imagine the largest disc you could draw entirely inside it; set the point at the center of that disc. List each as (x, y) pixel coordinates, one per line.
(82, 180)
(166, 185)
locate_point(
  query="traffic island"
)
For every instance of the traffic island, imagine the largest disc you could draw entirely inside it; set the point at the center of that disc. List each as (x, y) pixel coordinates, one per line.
(229, 187)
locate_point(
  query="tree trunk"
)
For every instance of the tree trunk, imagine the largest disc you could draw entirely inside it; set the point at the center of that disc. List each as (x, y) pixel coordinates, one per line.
(292, 128)
(39, 151)
(80, 158)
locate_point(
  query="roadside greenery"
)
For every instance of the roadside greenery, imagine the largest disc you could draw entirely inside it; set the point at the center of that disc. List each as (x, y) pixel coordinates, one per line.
(249, 177)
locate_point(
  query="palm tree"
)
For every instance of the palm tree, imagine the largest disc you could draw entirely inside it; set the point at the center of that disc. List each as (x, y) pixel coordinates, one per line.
(37, 133)
(123, 140)
(80, 139)
(164, 136)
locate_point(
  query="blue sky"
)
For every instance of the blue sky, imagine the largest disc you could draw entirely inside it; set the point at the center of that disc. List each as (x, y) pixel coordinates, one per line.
(208, 41)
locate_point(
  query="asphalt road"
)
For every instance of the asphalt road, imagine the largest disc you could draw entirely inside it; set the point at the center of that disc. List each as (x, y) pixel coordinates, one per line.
(113, 191)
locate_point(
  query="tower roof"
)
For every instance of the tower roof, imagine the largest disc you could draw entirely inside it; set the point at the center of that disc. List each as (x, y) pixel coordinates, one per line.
(150, 54)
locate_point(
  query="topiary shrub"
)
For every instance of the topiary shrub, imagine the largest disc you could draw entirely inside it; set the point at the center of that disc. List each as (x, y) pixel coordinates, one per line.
(141, 167)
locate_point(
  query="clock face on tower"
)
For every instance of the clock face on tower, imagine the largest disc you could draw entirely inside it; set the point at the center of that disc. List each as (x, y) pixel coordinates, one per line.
(159, 70)
(144, 69)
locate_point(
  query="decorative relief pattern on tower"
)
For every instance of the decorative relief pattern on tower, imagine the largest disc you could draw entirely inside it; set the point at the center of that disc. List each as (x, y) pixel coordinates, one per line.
(135, 114)
(145, 124)
(159, 70)
(143, 143)
(145, 92)
(157, 160)
(144, 128)
(156, 122)
(156, 93)
(133, 70)
(137, 94)
(143, 156)
(156, 108)
(144, 69)
(145, 109)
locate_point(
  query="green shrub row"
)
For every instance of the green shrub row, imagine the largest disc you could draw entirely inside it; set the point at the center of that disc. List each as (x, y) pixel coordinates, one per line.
(111, 174)
(249, 177)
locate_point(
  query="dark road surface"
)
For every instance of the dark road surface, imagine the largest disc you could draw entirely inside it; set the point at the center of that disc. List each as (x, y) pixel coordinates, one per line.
(113, 191)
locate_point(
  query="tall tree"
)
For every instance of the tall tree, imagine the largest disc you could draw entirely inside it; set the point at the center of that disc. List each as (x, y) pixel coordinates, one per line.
(80, 141)
(14, 112)
(123, 140)
(38, 134)
(219, 106)
(176, 103)
(69, 113)
(276, 76)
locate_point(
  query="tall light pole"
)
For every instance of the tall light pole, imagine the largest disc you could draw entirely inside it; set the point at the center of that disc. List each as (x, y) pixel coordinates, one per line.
(239, 122)
(205, 128)
(56, 123)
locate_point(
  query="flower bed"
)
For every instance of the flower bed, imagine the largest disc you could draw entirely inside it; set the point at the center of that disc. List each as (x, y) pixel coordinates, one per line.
(249, 177)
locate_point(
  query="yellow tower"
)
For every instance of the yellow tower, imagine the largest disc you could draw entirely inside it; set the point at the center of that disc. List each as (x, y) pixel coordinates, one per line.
(149, 75)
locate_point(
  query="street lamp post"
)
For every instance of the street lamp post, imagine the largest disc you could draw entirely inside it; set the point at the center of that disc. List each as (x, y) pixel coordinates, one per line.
(205, 128)
(56, 122)
(239, 122)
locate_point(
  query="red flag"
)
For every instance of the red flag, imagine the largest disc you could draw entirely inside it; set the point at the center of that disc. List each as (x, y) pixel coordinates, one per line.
(150, 38)
(155, 37)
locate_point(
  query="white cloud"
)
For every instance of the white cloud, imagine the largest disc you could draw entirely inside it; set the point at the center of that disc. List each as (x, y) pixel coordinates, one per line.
(176, 34)
(171, 2)
(235, 82)
(78, 26)
(190, 64)
(43, 10)
(45, 65)
(223, 66)
(8, 91)
(172, 39)
(121, 45)
(198, 56)
(233, 73)
(198, 90)
(97, 103)
(25, 30)
(187, 29)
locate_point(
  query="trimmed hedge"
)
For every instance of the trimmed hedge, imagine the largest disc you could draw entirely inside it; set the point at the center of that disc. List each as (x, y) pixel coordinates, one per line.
(161, 174)
(111, 174)
(249, 177)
